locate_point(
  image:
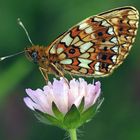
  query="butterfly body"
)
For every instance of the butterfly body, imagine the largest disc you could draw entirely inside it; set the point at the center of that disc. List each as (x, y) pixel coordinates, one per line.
(94, 47)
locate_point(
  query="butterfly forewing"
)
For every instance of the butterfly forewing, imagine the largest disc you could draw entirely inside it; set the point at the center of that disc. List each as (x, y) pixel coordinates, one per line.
(97, 45)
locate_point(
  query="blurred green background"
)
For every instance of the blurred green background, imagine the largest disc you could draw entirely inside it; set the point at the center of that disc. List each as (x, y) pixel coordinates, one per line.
(119, 117)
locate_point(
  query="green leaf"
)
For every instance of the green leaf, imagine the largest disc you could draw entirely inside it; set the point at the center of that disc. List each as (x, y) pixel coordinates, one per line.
(53, 120)
(100, 103)
(56, 112)
(47, 119)
(81, 106)
(88, 114)
(42, 119)
(72, 118)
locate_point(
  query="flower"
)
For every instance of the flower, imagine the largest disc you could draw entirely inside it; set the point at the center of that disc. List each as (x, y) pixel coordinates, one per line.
(65, 104)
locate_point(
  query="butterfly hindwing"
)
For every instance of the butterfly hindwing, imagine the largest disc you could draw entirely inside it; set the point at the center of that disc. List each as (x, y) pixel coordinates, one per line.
(125, 23)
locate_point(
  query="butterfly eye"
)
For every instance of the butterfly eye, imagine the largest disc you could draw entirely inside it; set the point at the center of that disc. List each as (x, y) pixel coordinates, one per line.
(34, 56)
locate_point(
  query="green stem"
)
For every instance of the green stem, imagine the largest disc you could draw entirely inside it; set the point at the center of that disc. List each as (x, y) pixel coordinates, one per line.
(73, 135)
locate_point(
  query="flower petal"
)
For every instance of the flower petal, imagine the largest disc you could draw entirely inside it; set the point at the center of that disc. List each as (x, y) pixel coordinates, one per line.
(73, 92)
(60, 92)
(29, 102)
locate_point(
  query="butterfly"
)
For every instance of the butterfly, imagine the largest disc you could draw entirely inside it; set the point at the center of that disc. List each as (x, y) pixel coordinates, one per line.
(92, 48)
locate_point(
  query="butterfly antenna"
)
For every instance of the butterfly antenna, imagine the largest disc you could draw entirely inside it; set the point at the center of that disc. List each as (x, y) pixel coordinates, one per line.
(21, 24)
(5, 57)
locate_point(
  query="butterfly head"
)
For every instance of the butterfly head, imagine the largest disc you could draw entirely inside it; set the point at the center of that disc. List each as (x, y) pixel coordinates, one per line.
(35, 54)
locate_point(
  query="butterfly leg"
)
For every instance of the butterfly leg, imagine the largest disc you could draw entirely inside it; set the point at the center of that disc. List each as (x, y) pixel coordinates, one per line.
(59, 72)
(71, 76)
(44, 73)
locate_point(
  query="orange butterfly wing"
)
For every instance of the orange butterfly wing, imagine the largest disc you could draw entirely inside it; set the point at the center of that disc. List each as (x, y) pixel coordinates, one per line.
(97, 45)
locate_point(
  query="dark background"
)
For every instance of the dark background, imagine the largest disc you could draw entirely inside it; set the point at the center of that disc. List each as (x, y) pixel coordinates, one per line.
(119, 117)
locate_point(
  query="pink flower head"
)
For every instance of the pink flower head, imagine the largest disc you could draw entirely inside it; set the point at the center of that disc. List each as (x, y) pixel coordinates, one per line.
(64, 95)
